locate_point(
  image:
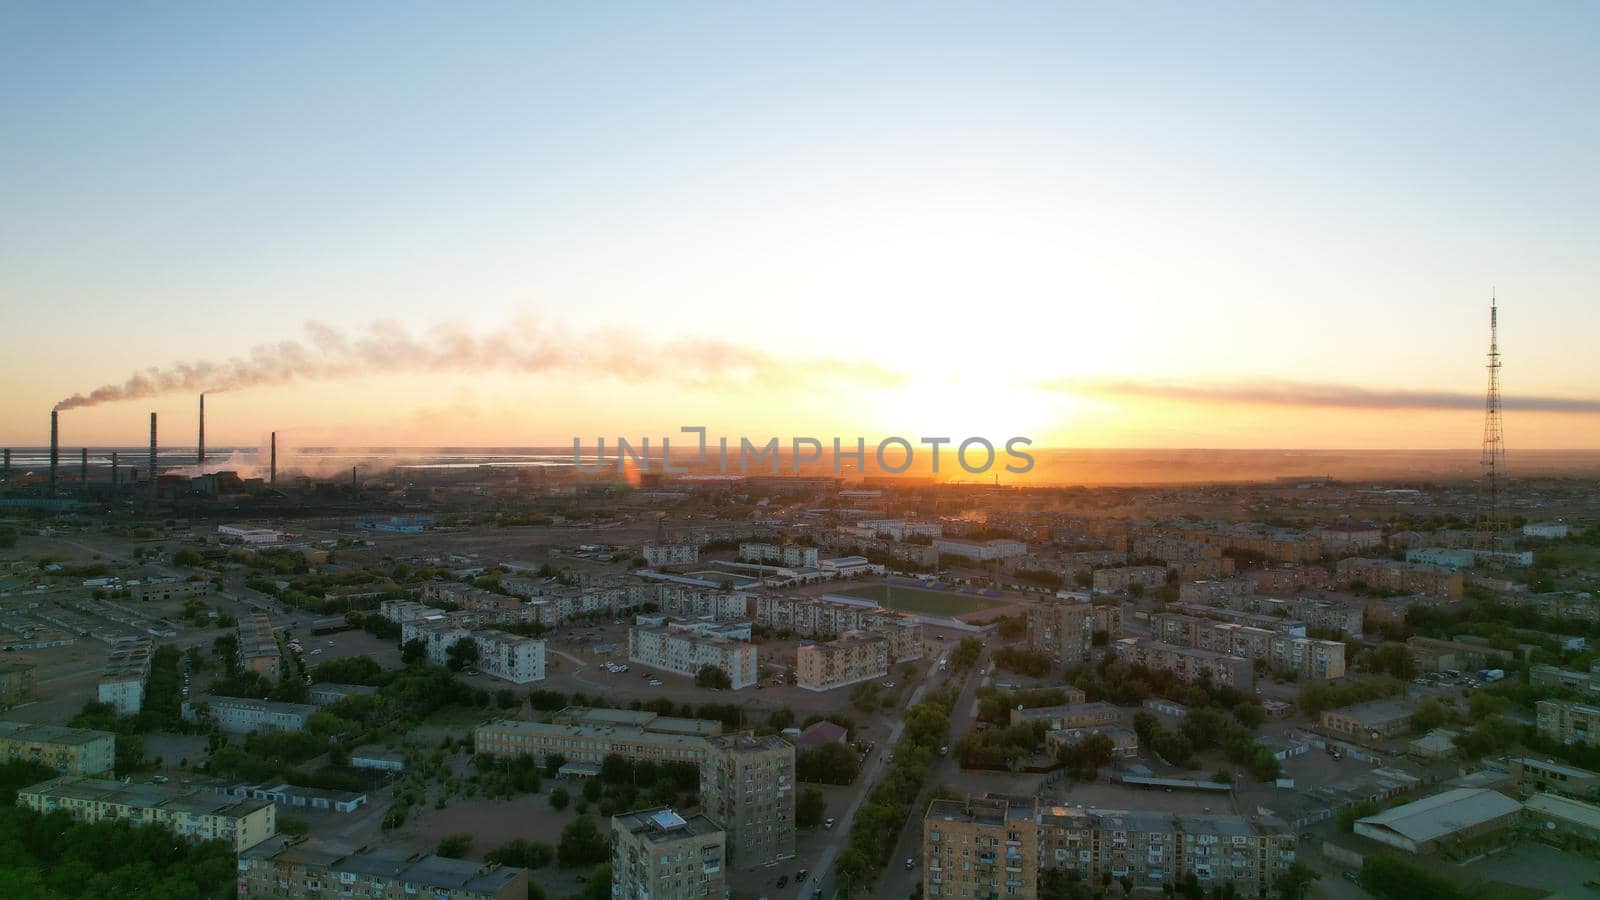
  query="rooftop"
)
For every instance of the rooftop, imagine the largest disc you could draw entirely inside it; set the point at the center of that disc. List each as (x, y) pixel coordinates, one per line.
(662, 825)
(1442, 814)
(145, 796)
(1575, 811)
(51, 734)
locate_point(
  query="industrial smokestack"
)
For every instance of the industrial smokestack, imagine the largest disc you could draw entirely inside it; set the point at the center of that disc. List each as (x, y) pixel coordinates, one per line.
(7, 473)
(83, 467)
(152, 461)
(202, 431)
(272, 477)
(55, 447)
(116, 474)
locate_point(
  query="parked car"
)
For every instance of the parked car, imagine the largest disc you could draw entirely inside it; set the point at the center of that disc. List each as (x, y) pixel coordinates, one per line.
(909, 864)
(828, 822)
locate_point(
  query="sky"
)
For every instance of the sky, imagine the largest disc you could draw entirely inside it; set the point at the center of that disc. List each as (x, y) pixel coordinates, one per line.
(1096, 225)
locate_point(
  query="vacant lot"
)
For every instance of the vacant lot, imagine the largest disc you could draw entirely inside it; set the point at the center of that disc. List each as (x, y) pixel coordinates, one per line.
(937, 603)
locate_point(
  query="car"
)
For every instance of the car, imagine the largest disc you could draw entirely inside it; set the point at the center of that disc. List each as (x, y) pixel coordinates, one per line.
(983, 671)
(1351, 877)
(910, 864)
(938, 637)
(888, 684)
(472, 671)
(944, 750)
(316, 651)
(330, 643)
(782, 880)
(827, 823)
(760, 686)
(159, 779)
(800, 876)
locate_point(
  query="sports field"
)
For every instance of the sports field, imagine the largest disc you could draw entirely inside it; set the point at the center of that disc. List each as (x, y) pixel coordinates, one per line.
(936, 603)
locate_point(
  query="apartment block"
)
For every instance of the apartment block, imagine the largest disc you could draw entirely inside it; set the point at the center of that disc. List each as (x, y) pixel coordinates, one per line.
(1434, 655)
(70, 751)
(1308, 657)
(1219, 590)
(126, 673)
(1156, 847)
(658, 853)
(1063, 630)
(258, 647)
(1189, 664)
(240, 715)
(980, 551)
(164, 591)
(1346, 618)
(854, 658)
(817, 618)
(1276, 544)
(1289, 579)
(747, 786)
(685, 648)
(791, 555)
(690, 602)
(676, 554)
(185, 811)
(981, 847)
(584, 735)
(1555, 676)
(286, 866)
(1405, 578)
(1122, 580)
(1569, 722)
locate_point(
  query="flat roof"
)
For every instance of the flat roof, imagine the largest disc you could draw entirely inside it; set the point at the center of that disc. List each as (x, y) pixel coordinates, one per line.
(146, 796)
(1553, 766)
(51, 734)
(1575, 811)
(662, 825)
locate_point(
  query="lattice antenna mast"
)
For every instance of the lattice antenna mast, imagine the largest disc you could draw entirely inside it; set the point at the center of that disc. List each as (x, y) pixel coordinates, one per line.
(1491, 533)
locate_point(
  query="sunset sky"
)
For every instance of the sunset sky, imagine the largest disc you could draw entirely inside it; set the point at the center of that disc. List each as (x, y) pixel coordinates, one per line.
(1098, 225)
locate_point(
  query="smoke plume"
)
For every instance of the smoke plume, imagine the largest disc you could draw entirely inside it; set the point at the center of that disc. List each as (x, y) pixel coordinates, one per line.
(386, 347)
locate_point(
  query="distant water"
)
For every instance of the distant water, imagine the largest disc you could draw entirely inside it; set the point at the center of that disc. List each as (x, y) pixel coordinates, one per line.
(1062, 466)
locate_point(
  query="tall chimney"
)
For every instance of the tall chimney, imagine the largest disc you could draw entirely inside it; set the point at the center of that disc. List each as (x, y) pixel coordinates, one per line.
(353, 484)
(55, 447)
(152, 461)
(7, 473)
(83, 466)
(202, 431)
(116, 473)
(273, 472)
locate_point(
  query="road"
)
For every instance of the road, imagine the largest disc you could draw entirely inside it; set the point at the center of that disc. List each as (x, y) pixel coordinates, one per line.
(825, 878)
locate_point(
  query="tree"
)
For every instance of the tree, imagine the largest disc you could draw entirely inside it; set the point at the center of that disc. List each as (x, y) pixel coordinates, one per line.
(1390, 659)
(519, 852)
(710, 676)
(1295, 880)
(809, 807)
(831, 763)
(454, 846)
(8, 539)
(559, 798)
(1429, 714)
(1391, 878)
(582, 844)
(413, 651)
(461, 654)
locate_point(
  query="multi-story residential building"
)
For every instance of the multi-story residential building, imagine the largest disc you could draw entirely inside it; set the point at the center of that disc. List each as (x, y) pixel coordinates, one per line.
(469, 597)
(240, 715)
(675, 554)
(980, 551)
(1347, 536)
(1268, 621)
(1187, 663)
(1122, 580)
(1569, 722)
(1062, 630)
(1071, 715)
(1155, 847)
(1276, 544)
(817, 618)
(1531, 775)
(686, 648)
(1308, 657)
(70, 751)
(899, 529)
(689, 602)
(1405, 578)
(309, 867)
(16, 682)
(791, 555)
(403, 611)
(126, 672)
(185, 811)
(1346, 618)
(1376, 720)
(1219, 590)
(258, 647)
(583, 735)
(747, 786)
(1289, 579)
(168, 591)
(325, 692)
(981, 847)
(511, 657)
(1555, 676)
(856, 657)
(658, 853)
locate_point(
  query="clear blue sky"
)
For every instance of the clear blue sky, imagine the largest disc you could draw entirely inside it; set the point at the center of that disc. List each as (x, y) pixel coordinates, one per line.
(1330, 191)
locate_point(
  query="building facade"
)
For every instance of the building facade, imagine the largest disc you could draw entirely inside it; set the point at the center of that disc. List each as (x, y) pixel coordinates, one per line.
(684, 649)
(70, 751)
(258, 647)
(851, 659)
(1062, 630)
(126, 673)
(747, 786)
(981, 847)
(1569, 722)
(186, 812)
(656, 853)
(1189, 664)
(308, 867)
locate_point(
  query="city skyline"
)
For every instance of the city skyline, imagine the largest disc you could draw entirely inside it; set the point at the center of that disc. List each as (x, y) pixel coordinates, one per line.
(1100, 229)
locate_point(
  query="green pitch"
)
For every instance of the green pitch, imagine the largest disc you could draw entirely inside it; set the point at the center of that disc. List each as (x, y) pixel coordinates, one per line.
(910, 599)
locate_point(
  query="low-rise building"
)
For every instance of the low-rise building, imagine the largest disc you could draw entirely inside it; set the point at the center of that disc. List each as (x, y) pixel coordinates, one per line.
(851, 659)
(127, 671)
(581, 734)
(1555, 676)
(1569, 722)
(70, 751)
(1374, 720)
(980, 551)
(1530, 775)
(1434, 655)
(185, 811)
(241, 715)
(308, 867)
(1546, 530)
(16, 682)
(658, 853)
(1449, 819)
(258, 647)
(1553, 814)
(1124, 743)
(1071, 715)
(325, 692)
